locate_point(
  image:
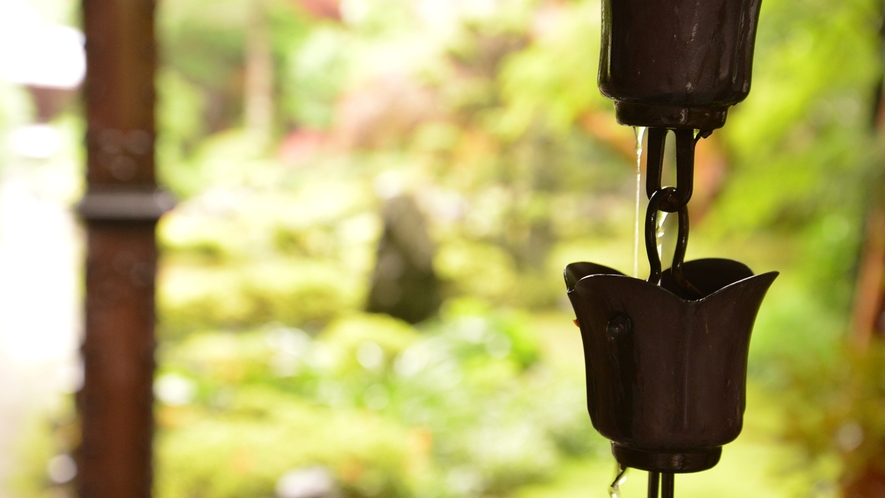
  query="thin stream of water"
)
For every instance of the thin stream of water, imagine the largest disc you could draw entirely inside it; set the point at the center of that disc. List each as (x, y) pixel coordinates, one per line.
(639, 131)
(666, 227)
(614, 491)
(663, 236)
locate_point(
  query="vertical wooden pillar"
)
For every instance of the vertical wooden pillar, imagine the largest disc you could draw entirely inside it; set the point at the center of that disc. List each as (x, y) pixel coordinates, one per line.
(121, 208)
(869, 295)
(868, 320)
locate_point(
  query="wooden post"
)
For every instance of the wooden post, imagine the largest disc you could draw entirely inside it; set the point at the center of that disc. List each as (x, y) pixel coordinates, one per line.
(868, 319)
(869, 306)
(121, 208)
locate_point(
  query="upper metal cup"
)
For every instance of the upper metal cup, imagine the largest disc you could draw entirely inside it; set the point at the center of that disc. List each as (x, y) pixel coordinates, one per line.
(676, 63)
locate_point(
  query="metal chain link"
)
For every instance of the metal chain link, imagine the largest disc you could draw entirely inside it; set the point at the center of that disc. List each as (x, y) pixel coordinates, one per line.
(670, 199)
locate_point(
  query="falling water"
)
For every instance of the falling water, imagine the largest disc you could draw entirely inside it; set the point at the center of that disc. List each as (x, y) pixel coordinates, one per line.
(663, 236)
(639, 131)
(615, 489)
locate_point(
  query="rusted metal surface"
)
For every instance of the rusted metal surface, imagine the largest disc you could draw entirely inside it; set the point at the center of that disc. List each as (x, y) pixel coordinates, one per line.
(115, 403)
(121, 60)
(120, 208)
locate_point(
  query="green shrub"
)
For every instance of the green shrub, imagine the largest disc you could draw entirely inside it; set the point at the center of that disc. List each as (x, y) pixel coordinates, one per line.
(245, 448)
(443, 411)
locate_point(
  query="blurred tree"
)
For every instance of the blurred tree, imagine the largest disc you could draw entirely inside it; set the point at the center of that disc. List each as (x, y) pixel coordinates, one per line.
(258, 98)
(869, 296)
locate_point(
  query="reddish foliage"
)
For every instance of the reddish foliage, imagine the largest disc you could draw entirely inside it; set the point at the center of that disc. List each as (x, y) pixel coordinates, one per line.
(322, 9)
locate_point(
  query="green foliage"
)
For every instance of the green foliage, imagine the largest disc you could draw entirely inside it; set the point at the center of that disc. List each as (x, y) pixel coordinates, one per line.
(38, 443)
(44, 452)
(266, 363)
(180, 107)
(196, 32)
(242, 449)
(506, 332)
(294, 291)
(515, 183)
(836, 411)
(806, 125)
(807, 53)
(461, 408)
(347, 338)
(314, 77)
(259, 243)
(803, 153)
(553, 77)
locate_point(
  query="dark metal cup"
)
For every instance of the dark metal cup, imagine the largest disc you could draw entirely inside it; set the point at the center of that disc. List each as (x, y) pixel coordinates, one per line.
(666, 374)
(676, 63)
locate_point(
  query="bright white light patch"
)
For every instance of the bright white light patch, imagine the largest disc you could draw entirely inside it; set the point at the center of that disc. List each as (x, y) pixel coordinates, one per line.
(61, 468)
(38, 54)
(37, 141)
(173, 389)
(370, 355)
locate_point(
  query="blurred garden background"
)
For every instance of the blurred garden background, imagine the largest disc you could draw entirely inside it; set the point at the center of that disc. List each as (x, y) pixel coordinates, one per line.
(361, 286)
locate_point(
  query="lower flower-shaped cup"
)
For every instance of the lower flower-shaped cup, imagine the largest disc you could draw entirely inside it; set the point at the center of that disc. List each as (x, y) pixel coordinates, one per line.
(666, 372)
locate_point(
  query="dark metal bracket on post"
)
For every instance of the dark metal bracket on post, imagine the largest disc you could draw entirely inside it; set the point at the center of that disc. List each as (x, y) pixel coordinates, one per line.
(125, 204)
